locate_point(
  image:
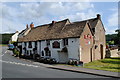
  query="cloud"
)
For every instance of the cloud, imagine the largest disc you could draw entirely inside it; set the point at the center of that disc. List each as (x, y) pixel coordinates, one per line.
(9, 26)
(80, 15)
(8, 12)
(17, 16)
(112, 22)
(35, 10)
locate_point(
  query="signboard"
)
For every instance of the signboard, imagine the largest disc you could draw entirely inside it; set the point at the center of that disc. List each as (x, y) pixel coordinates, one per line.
(87, 39)
(56, 44)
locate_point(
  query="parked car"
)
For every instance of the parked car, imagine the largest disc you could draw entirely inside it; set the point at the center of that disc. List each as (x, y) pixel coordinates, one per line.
(11, 46)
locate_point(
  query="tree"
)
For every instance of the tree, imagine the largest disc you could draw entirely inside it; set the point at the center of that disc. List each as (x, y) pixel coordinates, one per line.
(5, 38)
(111, 42)
(112, 38)
(118, 36)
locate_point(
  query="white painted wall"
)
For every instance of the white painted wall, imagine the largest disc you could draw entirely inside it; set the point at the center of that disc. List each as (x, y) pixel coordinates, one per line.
(73, 49)
(43, 45)
(23, 52)
(54, 51)
(38, 47)
(19, 44)
(15, 37)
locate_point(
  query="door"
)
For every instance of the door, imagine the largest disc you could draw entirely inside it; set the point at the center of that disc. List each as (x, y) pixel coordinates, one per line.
(91, 56)
(101, 51)
(63, 57)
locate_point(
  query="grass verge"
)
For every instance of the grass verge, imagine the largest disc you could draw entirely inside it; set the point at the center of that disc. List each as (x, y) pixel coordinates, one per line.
(109, 64)
(3, 44)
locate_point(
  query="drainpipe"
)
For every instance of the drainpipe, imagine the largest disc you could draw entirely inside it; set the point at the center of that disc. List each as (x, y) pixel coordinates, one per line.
(93, 48)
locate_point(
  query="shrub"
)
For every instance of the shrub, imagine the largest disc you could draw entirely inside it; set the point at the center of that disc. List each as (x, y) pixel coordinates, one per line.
(16, 52)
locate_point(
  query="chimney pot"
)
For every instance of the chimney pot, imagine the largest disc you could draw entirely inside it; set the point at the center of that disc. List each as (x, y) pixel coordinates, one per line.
(32, 25)
(98, 16)
(17, 32)
(27, 26)
(53, 22)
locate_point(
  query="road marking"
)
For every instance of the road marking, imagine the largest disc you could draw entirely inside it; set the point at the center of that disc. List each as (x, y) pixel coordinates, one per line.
(29, 65)
(4, 53)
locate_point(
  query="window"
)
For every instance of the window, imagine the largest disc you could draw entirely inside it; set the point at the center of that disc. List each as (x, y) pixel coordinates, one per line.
(47, 42)
(30, 45)
(48, 53)
(25, 44)
(35, 44)
(27, 52)
(65, 42)
(42, 53)
(56, 44)
(93, 29)
(30, 52)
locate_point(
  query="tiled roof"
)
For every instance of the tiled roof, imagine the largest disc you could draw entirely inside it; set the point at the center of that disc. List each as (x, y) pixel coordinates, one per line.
(60, 29)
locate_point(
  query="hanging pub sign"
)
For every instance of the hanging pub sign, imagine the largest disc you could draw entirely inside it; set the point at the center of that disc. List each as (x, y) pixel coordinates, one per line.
(56, 44)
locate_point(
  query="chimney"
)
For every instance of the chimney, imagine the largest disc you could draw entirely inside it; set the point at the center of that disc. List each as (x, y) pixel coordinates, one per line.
(32, 25)
(27, 26)
(98, 16)
(17, 32)
(53, 22)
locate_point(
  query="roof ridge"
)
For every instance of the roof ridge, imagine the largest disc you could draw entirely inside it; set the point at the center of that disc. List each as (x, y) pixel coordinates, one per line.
(50, 23)
(84, 20)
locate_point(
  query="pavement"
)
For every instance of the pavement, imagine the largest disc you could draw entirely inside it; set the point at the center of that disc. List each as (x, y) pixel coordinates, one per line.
(88, 71)
(81, 70)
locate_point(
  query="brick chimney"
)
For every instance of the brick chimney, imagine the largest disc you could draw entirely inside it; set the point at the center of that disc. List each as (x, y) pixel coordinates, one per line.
(27, 26)
(98, 16)
(53, 22)
(32, 25)
(17, 32)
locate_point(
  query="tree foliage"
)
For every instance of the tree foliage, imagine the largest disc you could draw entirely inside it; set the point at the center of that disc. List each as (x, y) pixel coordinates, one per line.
(112, 39)
(4, 38)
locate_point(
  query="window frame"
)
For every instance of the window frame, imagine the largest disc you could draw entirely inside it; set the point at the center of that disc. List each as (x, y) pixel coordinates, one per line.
(54, 44)
(65, 41)
(35, 44)
(29, 44)
(48, 42)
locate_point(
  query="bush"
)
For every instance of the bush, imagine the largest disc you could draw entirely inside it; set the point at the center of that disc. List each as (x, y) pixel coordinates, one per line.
(16, 52)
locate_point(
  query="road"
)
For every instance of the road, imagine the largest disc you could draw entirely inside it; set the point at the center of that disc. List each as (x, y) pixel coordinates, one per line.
(13, 67)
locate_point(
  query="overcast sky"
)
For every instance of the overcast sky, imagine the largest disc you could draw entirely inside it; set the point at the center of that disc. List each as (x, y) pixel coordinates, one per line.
(15, 15)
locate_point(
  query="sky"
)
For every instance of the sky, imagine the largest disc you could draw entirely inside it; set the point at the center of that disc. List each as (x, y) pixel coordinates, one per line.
(15, 15)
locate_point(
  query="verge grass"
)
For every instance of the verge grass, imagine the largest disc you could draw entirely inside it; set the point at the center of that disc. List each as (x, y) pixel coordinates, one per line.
(109, 64)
